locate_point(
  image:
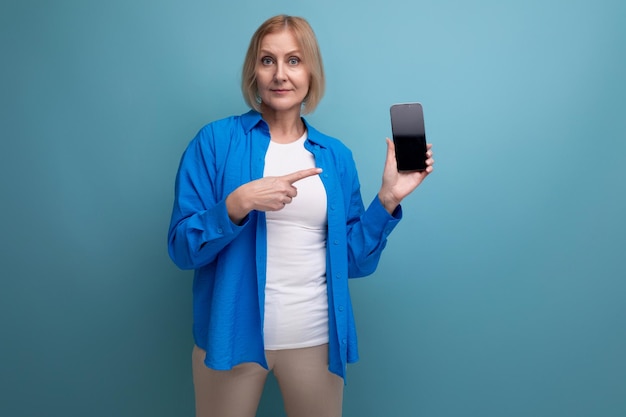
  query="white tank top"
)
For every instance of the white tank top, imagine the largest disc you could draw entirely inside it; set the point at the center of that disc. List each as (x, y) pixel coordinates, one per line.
(296, 302)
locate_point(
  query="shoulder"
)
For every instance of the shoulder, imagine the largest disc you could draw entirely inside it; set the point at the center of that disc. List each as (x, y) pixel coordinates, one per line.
(219, 126)
(222, 131)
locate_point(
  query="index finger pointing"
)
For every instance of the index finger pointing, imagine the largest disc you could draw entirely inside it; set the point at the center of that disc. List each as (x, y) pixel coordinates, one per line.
(299, 175)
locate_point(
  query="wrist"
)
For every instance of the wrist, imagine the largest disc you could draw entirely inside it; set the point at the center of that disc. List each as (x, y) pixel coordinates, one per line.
(388, 201)
(235, 206)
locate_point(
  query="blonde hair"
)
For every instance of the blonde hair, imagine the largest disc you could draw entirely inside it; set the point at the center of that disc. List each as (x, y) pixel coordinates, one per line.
(305, 37)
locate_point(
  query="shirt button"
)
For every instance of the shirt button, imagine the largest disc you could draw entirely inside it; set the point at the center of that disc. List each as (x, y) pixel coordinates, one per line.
(337, 276)
(340, 308)
(336, 242)
(219, 230)
(332, 207)
(344, 341)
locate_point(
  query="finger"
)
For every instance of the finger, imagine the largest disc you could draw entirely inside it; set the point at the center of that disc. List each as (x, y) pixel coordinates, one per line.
(391, 150)
(299, 175)
(391, 147)
(283, 203)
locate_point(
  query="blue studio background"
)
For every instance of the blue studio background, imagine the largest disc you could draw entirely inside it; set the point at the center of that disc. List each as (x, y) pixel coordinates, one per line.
(501, 293)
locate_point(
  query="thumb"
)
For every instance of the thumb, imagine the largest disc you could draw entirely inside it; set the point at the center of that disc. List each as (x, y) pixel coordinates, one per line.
(391, 151)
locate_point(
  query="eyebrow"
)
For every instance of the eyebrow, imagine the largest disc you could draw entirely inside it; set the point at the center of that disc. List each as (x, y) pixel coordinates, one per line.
(294, 52)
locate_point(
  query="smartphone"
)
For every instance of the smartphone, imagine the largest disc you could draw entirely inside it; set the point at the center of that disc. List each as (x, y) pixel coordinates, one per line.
(409, 136)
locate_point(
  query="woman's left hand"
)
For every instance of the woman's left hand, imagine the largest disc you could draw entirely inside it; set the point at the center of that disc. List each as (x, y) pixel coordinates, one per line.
(397, 185)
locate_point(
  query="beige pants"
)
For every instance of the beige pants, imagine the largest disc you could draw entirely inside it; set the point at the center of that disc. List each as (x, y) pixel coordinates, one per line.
(307, 387)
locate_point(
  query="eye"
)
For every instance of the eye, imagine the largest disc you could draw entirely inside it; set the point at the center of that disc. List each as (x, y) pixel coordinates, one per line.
(266, 60)
(294, 60)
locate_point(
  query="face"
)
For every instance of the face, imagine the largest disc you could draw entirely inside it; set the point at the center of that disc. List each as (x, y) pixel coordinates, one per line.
(281, 75)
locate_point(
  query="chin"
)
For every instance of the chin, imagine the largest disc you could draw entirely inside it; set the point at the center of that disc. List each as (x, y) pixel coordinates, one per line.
(281, 107)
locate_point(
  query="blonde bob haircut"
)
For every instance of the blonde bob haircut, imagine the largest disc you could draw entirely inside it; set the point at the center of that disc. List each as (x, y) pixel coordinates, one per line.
(311, 56)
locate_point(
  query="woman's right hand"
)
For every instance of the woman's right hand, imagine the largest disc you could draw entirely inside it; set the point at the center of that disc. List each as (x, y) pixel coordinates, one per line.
(265, 194)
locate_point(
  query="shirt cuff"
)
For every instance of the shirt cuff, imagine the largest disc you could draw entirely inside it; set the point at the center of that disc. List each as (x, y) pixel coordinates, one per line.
(378, 217)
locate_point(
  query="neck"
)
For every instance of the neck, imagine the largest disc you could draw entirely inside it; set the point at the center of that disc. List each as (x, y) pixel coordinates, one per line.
(285, 127)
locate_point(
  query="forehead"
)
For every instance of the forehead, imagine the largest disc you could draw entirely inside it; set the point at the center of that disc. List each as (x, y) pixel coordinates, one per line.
(283, 41)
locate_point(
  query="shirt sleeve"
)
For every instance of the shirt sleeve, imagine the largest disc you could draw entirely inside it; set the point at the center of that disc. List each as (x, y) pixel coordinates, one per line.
(200, 227)
(367, 230)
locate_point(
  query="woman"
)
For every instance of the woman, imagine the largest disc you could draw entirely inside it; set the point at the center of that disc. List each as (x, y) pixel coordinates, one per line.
(269, 214)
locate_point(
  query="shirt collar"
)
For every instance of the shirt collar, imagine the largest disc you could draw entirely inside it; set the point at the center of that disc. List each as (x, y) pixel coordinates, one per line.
(250, 120)
(253, 118)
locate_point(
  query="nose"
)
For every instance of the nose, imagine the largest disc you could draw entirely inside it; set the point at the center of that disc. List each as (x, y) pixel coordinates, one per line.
(280, 74)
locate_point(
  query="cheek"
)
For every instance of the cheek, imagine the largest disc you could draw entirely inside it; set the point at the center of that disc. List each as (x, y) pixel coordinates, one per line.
(261, 79)
(305, 80)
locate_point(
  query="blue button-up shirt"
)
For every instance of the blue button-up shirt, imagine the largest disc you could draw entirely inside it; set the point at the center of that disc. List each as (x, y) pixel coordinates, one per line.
(230, 259)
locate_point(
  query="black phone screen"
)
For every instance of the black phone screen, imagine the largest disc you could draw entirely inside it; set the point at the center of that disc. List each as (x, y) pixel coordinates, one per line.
(409, 136)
